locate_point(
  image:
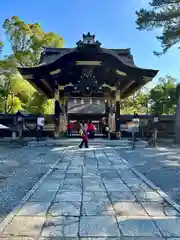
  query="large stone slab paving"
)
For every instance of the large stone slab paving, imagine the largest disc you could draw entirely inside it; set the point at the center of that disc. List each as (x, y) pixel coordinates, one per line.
(159, 209)
(71, 181)
(122, 238)
(61, 227)
(34, 209)
(95, 197)
(73, 175)
(98, 226)
(169, 226)
(51, 184)
(60, 238)
(133, 181)
(71, 187)
(146, 196)
(116, 187)
(65, 209)
(43, 195)
(123, 196)
(126, 174)
(25, 226)
(137, 227)
(93, 187)
(97, 208)
(99, 199)
(17, 238)
(63, 196)
(58, 174)
(129, 209)
(91, 174)
(114, 181)
(91, 181)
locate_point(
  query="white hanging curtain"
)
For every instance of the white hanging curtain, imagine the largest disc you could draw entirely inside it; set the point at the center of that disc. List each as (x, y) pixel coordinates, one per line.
(75, 101)
(82, 101)
(90, 100)
(98, 102)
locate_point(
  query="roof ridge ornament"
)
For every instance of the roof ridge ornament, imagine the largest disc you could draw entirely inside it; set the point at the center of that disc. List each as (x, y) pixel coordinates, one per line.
(88, 39)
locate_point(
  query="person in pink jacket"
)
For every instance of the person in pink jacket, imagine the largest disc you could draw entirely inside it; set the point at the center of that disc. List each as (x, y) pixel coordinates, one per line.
(84, 139)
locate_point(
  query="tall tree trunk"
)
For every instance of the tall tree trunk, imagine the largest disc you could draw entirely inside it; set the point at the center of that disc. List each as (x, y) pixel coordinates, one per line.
(177, 122)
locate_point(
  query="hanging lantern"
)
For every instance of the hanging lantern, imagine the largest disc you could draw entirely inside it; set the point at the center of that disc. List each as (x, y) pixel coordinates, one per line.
(82, 101)
(75, 101)
(90, 100)
(98, 102)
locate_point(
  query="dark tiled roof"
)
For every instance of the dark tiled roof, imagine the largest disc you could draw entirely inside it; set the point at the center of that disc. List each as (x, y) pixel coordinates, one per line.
(124, 55)
(52, 54)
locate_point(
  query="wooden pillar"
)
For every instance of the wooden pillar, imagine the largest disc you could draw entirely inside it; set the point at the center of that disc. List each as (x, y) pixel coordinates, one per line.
(113, 125)
(57, 113)
(110, 112)
(106, 107)
(63, 117)
(117, 113)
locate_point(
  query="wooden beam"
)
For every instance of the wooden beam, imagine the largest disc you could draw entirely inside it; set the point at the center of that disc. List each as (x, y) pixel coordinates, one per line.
(127, 86)
(121, 73)
(118, 95)
(89, 63)
(35, 86)
(46, 84)
(55, 72)
(110, 87)
(147, 79)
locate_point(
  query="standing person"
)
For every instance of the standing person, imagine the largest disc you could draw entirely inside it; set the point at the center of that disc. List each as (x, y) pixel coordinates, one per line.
(84, 139)
(91, 129)
(70, 126)
(135, 119)
(19, 123)
(40, 126)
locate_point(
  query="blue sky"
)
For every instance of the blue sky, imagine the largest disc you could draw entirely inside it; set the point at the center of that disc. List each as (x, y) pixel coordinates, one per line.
(113, 22)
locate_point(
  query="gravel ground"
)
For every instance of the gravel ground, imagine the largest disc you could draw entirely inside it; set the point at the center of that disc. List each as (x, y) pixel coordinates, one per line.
(161, 166)
(20, 169)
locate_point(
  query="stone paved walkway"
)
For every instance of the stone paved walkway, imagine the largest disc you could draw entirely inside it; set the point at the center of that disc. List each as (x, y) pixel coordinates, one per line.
(160, 165)
(93, 194)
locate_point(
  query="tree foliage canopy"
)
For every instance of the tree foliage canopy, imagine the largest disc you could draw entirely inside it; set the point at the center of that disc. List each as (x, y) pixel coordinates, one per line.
(27, 41)
(1, 45)
(163, 96)
(163, 14)
(161, 99)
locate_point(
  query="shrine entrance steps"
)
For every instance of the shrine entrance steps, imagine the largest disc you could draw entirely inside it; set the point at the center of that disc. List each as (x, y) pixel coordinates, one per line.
(92, 142)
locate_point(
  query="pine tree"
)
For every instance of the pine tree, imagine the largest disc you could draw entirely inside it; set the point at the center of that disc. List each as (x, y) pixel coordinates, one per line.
(164, 14)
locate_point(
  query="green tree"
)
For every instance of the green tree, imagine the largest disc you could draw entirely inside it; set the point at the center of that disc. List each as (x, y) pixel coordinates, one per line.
(8, 98)
(39, 104)
(163, 96)
(27, 40)
(1, 45)
(138, 102)
(164, 14)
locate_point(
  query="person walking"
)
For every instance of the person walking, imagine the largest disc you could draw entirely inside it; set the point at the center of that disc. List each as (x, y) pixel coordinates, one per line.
(70, 127)
(84, 139)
